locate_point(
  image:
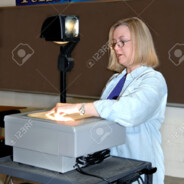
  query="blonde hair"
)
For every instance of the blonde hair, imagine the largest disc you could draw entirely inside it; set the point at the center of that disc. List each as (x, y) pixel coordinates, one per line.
(145, 53)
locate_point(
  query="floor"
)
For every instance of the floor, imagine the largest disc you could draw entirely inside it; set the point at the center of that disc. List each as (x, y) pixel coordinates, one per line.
(168, 180)
(172, 180)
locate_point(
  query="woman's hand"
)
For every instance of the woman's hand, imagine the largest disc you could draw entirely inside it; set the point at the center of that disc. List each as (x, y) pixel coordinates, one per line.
(61, 109)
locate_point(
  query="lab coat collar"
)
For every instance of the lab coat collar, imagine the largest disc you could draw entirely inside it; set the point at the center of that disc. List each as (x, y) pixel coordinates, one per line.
(136, 72)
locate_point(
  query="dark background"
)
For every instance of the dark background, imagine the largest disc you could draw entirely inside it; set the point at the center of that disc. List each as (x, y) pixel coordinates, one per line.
(39, 73)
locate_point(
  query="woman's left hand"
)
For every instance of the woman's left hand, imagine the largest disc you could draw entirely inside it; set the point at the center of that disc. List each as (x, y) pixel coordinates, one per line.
(62, 109)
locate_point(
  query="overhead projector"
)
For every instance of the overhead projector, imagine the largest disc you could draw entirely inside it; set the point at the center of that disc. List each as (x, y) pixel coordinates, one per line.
(55, 145)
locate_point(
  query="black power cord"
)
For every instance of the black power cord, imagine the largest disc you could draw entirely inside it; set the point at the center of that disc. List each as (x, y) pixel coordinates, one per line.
(92, 159)
(89, 174)
(97, 158)
(147, 172)
(141, 179)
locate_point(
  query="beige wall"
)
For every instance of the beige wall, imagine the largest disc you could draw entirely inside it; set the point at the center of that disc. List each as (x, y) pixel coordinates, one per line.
(4, 3)
(173, 141)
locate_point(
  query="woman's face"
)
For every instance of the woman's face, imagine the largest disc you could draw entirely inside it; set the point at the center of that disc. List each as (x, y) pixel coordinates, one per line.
(123, 45)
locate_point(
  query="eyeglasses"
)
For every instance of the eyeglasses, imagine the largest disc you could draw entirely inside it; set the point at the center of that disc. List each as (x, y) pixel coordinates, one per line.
(120, 44)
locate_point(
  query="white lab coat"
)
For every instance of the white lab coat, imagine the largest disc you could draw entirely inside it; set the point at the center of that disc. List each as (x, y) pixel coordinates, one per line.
(141, 109)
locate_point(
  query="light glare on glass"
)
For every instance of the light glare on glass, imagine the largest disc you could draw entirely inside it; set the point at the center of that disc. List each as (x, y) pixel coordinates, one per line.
(71, 26)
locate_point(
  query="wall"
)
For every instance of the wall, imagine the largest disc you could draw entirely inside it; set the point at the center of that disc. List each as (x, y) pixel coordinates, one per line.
(166, 33)
(173, 141)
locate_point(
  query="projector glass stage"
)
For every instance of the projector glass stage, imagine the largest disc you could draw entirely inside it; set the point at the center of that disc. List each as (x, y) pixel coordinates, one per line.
(69, 119)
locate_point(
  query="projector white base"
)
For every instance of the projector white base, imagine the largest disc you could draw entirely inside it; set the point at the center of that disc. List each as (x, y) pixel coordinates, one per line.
(47, 161)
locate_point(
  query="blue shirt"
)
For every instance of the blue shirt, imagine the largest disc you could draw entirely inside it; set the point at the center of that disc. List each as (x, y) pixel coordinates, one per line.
(141, 109)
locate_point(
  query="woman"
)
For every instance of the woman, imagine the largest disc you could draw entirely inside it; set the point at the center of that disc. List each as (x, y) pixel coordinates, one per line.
(141, 104)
